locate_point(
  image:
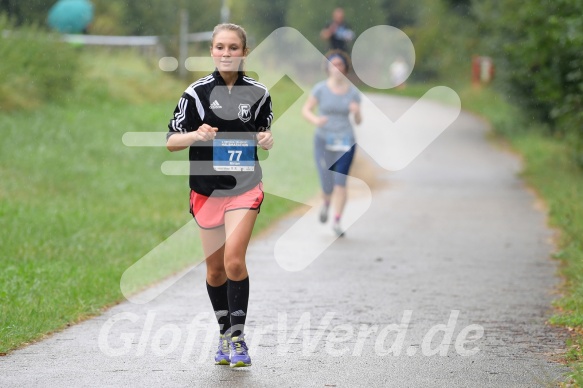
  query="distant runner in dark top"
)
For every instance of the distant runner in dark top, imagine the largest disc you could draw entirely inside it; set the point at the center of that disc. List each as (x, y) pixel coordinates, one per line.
(337, 32)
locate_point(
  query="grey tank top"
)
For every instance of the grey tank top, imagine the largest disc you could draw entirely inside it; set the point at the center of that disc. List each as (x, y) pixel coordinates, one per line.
(336, 108)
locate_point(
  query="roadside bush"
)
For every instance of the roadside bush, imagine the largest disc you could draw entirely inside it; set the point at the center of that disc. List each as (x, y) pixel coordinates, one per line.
(36, 67)
(538, 47)
(444, 44)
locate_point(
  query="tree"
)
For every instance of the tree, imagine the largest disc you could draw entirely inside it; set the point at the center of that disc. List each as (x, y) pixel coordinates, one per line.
(161, 17)
(260, 17)
(539, 48)
(444, 43)
(400, 13)
(26, 11)
(461, 7)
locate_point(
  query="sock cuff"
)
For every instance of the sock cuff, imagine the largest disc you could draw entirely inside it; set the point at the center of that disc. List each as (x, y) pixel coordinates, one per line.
(246, 280)
(215, 287)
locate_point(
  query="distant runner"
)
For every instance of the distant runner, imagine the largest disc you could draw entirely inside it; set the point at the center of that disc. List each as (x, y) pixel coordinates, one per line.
(334, 142)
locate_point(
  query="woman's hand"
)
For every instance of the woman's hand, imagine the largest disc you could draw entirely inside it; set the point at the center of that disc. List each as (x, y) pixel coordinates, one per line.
(354, 108)
(181, 141)
(320, 121)
(308, 112)
(205, 132)
(265, 140)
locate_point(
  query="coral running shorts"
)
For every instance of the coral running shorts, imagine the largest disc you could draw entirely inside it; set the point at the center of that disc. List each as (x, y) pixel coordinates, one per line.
(209, 212)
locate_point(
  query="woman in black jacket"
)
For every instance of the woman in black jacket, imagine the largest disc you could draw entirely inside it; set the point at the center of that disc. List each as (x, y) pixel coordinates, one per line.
(222, 118)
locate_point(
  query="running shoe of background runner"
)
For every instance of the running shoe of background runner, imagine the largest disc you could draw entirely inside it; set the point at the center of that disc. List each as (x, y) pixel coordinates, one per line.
(324, 214)
(338, 230)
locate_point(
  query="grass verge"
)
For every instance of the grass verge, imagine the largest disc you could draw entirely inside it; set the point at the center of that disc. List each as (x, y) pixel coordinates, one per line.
(552, 171)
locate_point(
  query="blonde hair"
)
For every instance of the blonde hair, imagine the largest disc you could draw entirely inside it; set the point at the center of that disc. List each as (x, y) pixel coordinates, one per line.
(237, 29)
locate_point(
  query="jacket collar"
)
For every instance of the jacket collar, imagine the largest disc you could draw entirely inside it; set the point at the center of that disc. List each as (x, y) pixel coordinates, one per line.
(221, 81)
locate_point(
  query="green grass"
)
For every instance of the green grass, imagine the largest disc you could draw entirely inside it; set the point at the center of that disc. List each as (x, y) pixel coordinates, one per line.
(552, 171)
(78, 207)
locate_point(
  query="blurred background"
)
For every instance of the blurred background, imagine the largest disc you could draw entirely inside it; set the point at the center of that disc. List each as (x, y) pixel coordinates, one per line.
(534, 47)
(77, 207)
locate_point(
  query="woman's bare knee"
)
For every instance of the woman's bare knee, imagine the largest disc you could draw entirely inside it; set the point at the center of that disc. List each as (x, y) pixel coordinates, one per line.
(216, 279)
(236, 268)
(215, 271)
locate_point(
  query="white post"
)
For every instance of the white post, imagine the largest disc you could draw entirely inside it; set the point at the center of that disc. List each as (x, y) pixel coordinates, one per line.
(224, 12)
(183, 43)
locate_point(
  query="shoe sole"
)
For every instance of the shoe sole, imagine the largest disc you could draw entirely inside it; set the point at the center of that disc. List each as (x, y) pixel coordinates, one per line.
(240, 364)
(323, 216)
(223, 362)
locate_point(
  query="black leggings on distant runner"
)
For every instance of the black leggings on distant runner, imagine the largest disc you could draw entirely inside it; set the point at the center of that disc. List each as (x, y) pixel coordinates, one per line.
(333, 166)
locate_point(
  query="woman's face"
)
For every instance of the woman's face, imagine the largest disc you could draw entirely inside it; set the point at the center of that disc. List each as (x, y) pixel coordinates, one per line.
(336, 67)
(227, 50)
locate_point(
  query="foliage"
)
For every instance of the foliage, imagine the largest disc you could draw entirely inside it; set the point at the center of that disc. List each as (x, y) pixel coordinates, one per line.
(260, 17)
(144, 17)
(441, 51)
(461, 7)
(109, 18)
(538, 47)
(399, 13)
(153, 17)
(26, 12)
(35, 68)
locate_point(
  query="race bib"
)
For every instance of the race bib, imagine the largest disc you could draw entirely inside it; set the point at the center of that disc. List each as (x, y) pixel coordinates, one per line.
(233, 155)
(338, 141)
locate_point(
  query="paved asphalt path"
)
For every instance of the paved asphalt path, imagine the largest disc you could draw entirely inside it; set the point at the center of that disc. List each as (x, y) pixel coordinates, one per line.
(453, 248)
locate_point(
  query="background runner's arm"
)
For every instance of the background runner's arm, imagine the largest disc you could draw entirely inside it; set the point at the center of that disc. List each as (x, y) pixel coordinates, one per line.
(355, 110)
(355, 107)
(308, 112)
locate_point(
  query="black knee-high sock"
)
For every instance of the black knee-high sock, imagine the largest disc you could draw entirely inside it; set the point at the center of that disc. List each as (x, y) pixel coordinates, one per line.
(220, 301)
(238, 292)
